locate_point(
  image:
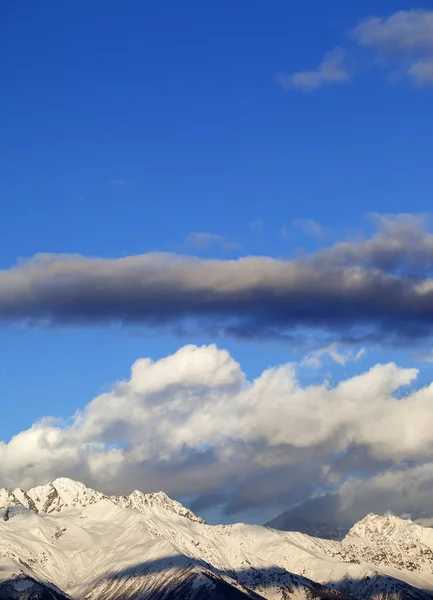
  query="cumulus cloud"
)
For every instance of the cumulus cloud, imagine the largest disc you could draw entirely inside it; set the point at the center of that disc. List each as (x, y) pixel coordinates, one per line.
(403, 41)
(192, 424)
(378, 288)
(330, 70)
(402, 32)
(406, 36)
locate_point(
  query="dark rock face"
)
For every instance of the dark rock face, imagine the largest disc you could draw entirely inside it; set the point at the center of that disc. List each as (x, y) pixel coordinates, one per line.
(26, 588)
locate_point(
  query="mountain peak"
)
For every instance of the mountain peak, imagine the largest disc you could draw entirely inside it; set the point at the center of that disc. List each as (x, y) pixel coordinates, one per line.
(374, 526)
(67, 484)
(157, 500)
(63, 493)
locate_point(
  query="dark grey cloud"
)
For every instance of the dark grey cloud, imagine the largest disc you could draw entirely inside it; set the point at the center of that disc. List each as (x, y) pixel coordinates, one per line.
(316, 516)
(378, 288)
(404, 490)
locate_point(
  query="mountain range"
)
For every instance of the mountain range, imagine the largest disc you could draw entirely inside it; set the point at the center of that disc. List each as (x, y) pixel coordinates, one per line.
(65, 541)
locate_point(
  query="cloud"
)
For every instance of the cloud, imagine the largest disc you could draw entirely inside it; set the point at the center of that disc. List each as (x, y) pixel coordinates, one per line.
(341, 357)
(119, 182)
(406, 36)
(307, 227)
(193, 425)
(401, 490)
(426, 356)
(256, 225)
(310, 228)
(404, 32)
(422, 71)
(403, 41)
(376, 289)
(204, 240)
(330, 70)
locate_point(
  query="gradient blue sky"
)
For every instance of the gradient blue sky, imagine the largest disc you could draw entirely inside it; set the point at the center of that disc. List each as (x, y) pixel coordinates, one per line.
(128, 126)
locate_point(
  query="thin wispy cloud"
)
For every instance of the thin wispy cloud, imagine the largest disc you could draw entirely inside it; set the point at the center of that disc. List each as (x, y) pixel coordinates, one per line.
(256, 225)
(119, 182)
(330, 71)
(335, 353)
(310, 228)
(421, 71)
(305, 227)
(203, 240)
(403, 41)
(425, 356)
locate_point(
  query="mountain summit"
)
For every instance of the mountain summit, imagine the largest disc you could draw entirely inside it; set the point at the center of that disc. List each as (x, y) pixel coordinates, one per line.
(63, 493)
(64, 541)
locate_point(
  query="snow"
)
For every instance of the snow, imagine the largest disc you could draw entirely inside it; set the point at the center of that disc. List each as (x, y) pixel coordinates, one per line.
(86, 543)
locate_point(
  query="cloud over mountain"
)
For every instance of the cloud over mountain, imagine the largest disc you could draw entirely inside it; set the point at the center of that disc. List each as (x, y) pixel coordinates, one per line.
(192, 424)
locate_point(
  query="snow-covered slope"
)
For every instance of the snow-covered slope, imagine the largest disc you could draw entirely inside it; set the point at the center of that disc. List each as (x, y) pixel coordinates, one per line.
(17, 584)
(392, 542)
(63, 493)
(75, 541)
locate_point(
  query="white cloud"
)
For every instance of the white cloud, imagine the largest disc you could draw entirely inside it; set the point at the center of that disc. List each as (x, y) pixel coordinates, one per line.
(402, 32)
(404, 39)
(406, 36)
(422, 71)
(309, 227)
(341, 357)
(204, 240)
(191, 423)
(306, 227)
(119, 182)
(330, 70)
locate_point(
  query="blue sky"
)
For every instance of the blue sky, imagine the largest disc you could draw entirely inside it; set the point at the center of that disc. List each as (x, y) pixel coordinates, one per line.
(129, 127)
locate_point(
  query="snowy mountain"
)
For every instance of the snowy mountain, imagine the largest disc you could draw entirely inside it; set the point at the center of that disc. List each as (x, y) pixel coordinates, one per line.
(391, 542)
(64, 493)
(64, 540)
